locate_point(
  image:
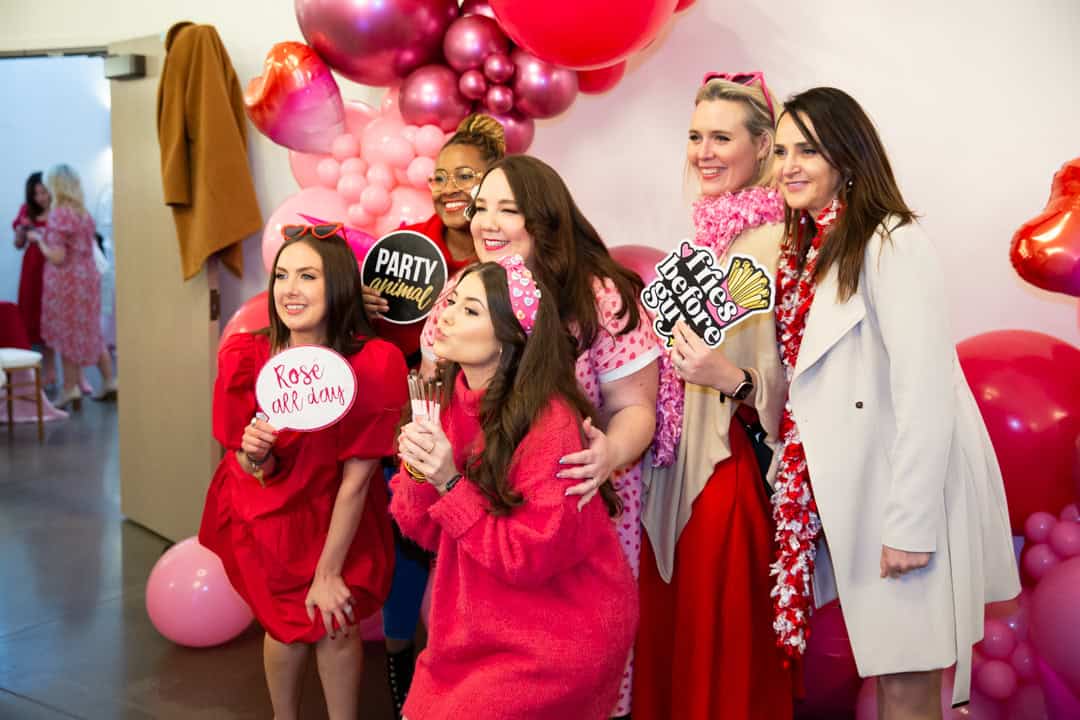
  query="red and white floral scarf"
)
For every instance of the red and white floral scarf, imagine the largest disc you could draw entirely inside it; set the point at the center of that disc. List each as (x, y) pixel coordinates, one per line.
(794, 508)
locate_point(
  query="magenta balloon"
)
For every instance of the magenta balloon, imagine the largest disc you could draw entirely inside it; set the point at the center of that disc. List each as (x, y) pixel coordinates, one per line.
(359, 242)
(639, 258)
(1065, 540)
(998, 640)
(1029, 703)
(1055, 621)
(1023, 661)
(499, 99)
(1038, 560)
(830, 678)
(477, 7)
(519, 130)
(1061, 702)
(376, 42)
(472, 84)
(499, 68)
(469, 40)
(1038, 526)
(996, 679)
(1069, 513)
(189, 598)
(542, 90)
(430, 96)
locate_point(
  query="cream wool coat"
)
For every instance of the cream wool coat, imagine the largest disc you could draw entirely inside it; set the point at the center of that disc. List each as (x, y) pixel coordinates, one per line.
(899, 455)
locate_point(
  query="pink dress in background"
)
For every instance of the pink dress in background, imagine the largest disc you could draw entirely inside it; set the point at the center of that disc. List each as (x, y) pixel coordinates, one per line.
(71, 296)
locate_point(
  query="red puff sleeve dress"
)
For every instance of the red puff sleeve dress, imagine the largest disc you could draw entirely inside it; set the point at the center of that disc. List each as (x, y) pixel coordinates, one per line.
(270, 538)
(30, 278)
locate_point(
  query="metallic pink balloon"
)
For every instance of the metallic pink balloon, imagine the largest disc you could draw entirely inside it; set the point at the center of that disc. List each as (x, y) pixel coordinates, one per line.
(430, 96)
(1055, 621)
(499, 68)
(520, 130)
(471, 39)
(472, 84)
(542, 90)
(375, 42)
(477, 7)
(499, 99)
(295, 102)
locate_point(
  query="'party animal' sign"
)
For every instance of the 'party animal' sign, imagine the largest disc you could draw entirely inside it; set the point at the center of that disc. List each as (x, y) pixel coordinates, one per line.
(309, 387)
(691, 285)
(409, 271)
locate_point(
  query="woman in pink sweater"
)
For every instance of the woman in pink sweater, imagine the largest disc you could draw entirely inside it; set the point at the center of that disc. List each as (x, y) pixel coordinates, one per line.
(534, 606)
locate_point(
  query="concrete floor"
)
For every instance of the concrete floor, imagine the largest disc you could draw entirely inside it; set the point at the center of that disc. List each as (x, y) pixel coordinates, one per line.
(75, 640)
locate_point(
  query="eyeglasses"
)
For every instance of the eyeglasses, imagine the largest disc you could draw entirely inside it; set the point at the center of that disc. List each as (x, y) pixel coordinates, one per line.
(745, 79)
(319, 232)
(464, 178)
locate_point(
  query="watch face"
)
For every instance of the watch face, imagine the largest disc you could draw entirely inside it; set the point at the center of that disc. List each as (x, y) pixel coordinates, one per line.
(743, 390)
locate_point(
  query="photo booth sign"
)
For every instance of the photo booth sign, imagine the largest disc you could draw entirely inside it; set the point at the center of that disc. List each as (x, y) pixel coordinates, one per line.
(409, 271)
(691, 285)
(309, 387)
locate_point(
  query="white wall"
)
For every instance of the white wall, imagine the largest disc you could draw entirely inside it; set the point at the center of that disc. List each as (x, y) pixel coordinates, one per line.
(55, 110)
(975, 100)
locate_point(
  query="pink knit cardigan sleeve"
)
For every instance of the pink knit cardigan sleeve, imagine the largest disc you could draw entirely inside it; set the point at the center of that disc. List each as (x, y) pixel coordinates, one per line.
(409, 506)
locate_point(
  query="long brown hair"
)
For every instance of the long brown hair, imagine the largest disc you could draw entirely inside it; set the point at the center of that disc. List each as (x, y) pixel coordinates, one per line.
(533, 370)
(568, 253)
(848, 141)
(347, 327)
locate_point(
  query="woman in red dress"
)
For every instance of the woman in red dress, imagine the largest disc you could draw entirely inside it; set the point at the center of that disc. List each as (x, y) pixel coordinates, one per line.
(300, 519)
(29, 228)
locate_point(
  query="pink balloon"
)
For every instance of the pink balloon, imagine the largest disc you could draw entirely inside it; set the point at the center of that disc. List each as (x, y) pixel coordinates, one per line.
(1070, 513)
(329, 171)
(1029, 703)
(601, 80)
(499, 99)
(429, 140)
(381, 175)
(377, 135)
(408, 205)
(542, 90)
(998, 640)
(639, 258)
(519, 129)
(253, 315)
(398, 152)
(430, 95)
(358, 216)
(1038, 560)
(996, 679)
(1065, 540)
(318, 201)
(295, 102)
(683, 5)
(1038, 526)
(389, 105)
(499, 68)
(477, 7)
(354, 166)
(375, 43)
(1055, 621)
(304, 168)
(470, 39)
(357, 116)
(420, 169)
(345, 147)
(375, 200)
(1023, 661)
(409, 133)
(1061, 702)
(190, 600)
(830, 678)
(351, 186)
(472, 84)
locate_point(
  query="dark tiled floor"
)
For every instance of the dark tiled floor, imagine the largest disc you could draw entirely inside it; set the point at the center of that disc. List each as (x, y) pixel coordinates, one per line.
(75, 640)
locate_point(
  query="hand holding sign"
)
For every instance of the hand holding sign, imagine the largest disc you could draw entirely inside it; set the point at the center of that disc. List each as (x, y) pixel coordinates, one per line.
(305, 388)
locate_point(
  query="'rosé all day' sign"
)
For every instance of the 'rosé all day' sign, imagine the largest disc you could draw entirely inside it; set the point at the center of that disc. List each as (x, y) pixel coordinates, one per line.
(309, 387)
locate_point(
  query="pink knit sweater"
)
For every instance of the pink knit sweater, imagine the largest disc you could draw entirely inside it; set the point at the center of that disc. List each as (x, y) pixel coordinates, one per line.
(532, 613)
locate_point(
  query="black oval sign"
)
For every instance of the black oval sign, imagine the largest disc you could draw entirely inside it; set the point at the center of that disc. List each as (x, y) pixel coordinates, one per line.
(409, 271)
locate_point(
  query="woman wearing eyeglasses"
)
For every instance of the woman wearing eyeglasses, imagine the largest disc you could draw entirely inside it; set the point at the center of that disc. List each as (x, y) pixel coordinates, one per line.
(300, 519)
(706, 647)
(888, 492)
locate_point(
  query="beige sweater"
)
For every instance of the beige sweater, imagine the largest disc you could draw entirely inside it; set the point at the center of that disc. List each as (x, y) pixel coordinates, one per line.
(670, 492)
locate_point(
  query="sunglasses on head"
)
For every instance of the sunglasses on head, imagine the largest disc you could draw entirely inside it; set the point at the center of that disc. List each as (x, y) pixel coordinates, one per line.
(319, 232)
(745, 78)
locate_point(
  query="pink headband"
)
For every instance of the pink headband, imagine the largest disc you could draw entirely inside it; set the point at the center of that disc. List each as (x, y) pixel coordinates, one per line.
(524, 294)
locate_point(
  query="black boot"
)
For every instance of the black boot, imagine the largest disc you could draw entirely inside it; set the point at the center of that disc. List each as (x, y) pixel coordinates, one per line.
(399, 673)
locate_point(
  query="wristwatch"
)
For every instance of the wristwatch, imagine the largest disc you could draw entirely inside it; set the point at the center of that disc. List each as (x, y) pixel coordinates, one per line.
(452, 482)
(256, 468)
(743, 389)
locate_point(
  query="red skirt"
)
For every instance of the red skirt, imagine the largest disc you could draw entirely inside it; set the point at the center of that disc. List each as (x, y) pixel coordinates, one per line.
(30, 285)
(706, 648)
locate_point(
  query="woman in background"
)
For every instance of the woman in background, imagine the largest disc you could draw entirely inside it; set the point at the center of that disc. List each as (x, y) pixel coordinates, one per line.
(29, 226)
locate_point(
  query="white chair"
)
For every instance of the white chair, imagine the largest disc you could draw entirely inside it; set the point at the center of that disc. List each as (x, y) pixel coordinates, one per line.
(11, 361)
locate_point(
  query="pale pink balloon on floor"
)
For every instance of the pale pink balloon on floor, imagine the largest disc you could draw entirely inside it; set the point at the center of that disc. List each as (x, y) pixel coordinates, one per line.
(190, 600)
(344, 147)
(305, 168)
(329, 172)
(408, 205)
(351, 186)
(317, 201)
(429, 140)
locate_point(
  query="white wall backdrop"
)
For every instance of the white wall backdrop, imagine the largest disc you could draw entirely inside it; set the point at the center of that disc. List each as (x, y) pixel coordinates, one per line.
(55, 110)
(976, 102)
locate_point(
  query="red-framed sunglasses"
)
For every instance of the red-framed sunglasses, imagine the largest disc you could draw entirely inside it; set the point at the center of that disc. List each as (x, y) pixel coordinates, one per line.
(319, 232)
(745, 78)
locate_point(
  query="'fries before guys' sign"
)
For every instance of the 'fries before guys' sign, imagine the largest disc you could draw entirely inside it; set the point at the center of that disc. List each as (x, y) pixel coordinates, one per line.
(309, 387)
(409, 271)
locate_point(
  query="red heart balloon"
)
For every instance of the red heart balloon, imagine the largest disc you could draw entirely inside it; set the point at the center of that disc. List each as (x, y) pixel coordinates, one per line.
(296, 102)
(1046, 249)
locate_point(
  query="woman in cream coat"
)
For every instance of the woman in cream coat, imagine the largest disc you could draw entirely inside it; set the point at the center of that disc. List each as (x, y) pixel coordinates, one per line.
(915, 534)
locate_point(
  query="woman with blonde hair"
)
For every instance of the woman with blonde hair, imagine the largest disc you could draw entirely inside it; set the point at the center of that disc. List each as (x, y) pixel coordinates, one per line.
(706, 647)
(71, 298)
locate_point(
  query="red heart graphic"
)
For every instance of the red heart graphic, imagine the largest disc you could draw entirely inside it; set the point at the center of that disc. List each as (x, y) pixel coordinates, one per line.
(1046, 249)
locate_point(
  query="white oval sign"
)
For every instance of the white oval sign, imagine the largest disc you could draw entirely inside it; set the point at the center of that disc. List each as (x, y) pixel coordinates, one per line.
(309, 387)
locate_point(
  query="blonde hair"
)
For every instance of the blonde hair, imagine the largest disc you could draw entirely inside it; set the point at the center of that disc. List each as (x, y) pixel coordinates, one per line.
(482, 132)
(66, 188)
(759, 120)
